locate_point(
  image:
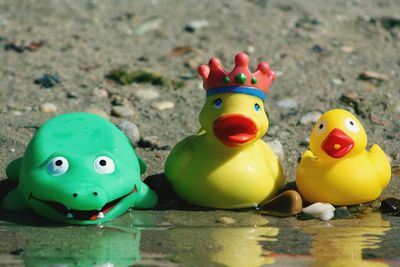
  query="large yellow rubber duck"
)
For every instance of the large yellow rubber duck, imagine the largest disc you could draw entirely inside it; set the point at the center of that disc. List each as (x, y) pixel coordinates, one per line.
(338, 169)
(227, 165)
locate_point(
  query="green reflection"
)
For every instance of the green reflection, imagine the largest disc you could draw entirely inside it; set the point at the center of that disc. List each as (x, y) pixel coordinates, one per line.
(344, 245)
(80, 246)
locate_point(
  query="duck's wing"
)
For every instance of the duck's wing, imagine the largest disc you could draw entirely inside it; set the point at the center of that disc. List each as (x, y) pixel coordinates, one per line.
(179, 158)
(275, 166)
(381, 163)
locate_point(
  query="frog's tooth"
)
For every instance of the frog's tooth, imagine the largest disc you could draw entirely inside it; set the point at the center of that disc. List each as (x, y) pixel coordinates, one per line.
(69, 215)
(100, 215)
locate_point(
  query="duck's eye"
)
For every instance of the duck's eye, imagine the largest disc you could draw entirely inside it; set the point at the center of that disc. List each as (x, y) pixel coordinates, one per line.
(257, 107)
(57, 166)
(351, 125)
(217, 103)
(104, 165)
(321, 127)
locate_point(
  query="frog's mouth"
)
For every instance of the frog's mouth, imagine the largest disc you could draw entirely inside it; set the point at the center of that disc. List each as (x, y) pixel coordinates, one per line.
(83, 215)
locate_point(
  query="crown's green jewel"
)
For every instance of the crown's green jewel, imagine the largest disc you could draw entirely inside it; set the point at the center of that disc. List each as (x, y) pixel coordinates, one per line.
(240, 78)
(227, 79)
(253, 80)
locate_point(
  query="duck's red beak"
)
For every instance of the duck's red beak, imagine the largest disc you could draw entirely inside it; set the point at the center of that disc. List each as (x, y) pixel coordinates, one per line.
(337, 144)
(235, 129)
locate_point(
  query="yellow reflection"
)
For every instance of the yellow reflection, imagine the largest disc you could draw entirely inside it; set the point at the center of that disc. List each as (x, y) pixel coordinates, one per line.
(344, 245)
(241, 246)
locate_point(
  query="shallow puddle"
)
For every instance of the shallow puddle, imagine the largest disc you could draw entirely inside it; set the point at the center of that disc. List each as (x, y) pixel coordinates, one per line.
(196, 238)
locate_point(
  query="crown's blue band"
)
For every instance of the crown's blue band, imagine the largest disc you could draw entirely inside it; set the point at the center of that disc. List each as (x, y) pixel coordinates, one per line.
(237, 89)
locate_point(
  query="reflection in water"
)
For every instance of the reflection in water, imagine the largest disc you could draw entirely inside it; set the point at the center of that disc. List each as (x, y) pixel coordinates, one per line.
(81, 246)
(234, 247)
(241, 246)
(343, 246)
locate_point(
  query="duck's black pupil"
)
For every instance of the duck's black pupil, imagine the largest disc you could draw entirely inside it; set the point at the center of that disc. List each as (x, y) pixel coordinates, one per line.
(352, 123)
(103, 162)
(321, 126)
(59, 162)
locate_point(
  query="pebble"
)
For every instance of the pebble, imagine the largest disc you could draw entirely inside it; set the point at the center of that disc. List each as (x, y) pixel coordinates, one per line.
(390, 204)
(163, 105)
(287, 204)
(311, 117)
(277, 148)
(226, 220)
(323, 211)
(100, 92)
(48, 108)
(48, 80)
(121, 111)
(288, 103)
(147, 94)
(372, 75)
(342, 213)
(376, 204)
(131, 130)
(152, 143)
(396, 171)
(195, 25)
(337, 81)
(149, 25)
(347, 49)
(357, 208)
(98, 112)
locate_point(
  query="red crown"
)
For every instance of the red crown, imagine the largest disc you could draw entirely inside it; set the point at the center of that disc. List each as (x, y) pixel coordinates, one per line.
(257, 83)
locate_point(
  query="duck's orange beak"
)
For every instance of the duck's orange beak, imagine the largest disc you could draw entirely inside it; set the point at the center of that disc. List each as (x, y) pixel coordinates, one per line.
(235, 129)
(337, 144)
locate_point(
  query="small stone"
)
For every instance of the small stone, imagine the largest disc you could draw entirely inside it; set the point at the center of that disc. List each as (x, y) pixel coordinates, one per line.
(396, 171)
(305, 217)
(311, 117)
(226, 220)
(288, 203)
(195, 25)
(152, 143)
(277, 148)
(347, 49)
(337, 81)
(288, 103)
(100, 92)
(372, 75)
(131, 130)
(342, 213)
(350, 97)
(48, 80)
(250, 49)
(390, 204)
(121, 111)
(305, 142)
(163, 105)
(149, 25)
(48, 108)
(147, 94)
(323, 211)
(98, 112)
(357, 208)
(376, 204)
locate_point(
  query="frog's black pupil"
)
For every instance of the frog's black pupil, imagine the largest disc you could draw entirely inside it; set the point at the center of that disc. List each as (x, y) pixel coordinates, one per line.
(59, 162)
(321, 126)
(103, 162)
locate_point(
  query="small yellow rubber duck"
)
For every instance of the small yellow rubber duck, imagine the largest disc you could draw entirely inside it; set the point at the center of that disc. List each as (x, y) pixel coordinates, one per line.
(338, 169)
(227, 165)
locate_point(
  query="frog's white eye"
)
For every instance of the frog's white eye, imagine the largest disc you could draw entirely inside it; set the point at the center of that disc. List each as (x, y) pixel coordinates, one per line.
(217, 103)
(57, 166)
(351, 125)
(104, 165)
(321, 127)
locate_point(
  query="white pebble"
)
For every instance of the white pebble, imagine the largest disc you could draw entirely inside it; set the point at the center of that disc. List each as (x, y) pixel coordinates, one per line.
(147, 94)
(311, 117)
(163, 105)
(131, 130)
(197, 24)
(120, 111)
(48, 108)
(98, 112)
(323, 211)
(289, 103)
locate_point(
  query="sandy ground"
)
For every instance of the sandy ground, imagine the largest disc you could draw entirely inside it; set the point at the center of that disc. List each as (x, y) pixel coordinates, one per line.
(318, 49)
